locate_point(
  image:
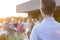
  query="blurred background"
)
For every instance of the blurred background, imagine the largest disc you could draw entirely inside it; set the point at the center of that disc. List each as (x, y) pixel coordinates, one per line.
(18, 17)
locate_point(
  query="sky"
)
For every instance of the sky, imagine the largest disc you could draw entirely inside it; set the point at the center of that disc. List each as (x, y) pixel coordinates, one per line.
(8, 7)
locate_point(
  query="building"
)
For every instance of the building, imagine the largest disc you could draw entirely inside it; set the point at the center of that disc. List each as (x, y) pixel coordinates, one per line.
(32, 8)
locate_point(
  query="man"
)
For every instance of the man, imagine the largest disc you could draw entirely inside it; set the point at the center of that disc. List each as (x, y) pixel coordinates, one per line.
(49, 29)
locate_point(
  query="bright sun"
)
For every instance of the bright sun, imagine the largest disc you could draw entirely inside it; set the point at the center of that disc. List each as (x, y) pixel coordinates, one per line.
(8, 8)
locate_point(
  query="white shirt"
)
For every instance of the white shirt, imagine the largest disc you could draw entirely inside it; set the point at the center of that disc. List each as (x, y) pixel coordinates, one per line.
(3, 32)
(49, 29)
(25, 37)
(29, 26)
(24, 25)
(36, 23)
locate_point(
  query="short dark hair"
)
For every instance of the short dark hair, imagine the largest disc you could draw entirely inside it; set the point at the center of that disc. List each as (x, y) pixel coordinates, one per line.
(48, 6)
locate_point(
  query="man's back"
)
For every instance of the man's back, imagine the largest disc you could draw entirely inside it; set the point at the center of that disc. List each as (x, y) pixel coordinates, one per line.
(49, 29)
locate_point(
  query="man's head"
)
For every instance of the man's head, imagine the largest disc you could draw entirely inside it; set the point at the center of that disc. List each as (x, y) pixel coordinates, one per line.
(47, 7)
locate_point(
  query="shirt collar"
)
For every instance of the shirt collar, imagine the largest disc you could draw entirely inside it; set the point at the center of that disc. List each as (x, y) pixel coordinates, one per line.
(48, 19)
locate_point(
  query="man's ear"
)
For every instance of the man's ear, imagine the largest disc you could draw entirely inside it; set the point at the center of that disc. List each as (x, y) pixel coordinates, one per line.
(42, 10)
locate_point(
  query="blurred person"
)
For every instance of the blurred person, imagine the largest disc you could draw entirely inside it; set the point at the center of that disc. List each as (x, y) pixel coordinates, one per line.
(20, 31)
(36, 22)
(49, 29)
(24, 23)
(20, 28)
(32, 21)
(3, 33)
(15, 28)
(15, 24)
(29, 27)
(7, 25)
(10, 27)
(25, 37)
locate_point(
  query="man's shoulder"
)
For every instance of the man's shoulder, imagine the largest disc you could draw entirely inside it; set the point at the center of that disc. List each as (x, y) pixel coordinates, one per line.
(57, 23)
(37, 27)
(43, 26)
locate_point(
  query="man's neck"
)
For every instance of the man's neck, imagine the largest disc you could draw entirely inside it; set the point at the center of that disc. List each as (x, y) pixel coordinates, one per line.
(47, 16)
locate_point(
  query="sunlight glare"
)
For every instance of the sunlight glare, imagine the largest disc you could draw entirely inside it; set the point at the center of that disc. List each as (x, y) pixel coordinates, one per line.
(8, 8)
